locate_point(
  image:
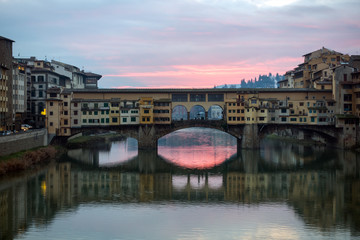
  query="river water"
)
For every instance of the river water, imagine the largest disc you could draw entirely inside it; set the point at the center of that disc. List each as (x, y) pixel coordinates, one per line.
(196, 186)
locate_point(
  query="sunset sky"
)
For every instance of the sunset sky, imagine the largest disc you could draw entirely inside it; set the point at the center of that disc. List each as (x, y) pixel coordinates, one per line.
(179, 43)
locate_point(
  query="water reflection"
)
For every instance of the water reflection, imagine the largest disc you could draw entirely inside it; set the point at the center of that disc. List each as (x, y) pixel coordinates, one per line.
(110, 153)
(283, 191)
(197, 148)
(323, 200)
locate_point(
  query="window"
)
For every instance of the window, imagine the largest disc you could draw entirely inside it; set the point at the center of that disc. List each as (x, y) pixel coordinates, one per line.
(95, 112)
(65, 104)
(102, 120)
(40, 86)
(53, 95)
(40, 78)
(51, 124)
(40, 93)
(283, 110)
(96, 105)
(65, 112)
(84, 120)
(85, 105)
(84, 112)
(133, 119)
(51, 104)
(107, 120)
(75, 112)
(51, 113)
(283, 119)
(146, 111)
(106, 104)
(312, 119)
(180, 97)
(124, 120)
(347, 97)
(114, 120)
(126, 111)
(75, 121)
(215, 97)
(253, 101)
(347, 107)
(75, 104)
(65, 122)
(197, 97)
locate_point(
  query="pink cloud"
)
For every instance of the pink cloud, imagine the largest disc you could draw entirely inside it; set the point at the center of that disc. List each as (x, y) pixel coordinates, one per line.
(204, 75)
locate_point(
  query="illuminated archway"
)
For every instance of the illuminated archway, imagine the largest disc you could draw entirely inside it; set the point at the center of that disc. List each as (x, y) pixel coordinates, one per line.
(215, 113)
(179, 113)
(197, 112)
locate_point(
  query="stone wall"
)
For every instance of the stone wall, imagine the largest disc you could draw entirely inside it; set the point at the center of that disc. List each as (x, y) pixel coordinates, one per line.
(23, 141)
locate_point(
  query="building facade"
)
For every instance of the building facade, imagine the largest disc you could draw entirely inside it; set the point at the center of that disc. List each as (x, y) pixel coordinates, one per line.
(6, 104)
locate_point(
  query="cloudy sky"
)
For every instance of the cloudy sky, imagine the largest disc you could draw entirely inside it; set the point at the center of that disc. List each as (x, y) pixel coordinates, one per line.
(179, 43)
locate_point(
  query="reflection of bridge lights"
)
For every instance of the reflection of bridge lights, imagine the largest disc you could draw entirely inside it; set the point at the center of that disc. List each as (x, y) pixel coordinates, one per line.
(179, 182)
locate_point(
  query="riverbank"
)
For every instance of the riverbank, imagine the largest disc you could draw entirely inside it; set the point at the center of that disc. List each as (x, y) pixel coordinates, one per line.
(28, 159)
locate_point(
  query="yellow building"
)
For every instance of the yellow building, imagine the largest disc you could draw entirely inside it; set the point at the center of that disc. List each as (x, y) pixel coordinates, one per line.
(146, 110)
(114, 115)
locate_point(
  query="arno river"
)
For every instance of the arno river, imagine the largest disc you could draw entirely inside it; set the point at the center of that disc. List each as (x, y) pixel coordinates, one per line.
(196, 186)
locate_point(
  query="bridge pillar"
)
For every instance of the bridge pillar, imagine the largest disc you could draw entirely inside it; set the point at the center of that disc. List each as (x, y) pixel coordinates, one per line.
(250, 138)
(147, 137)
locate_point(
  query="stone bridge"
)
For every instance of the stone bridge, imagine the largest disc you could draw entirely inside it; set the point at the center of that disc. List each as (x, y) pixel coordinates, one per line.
(248, 135)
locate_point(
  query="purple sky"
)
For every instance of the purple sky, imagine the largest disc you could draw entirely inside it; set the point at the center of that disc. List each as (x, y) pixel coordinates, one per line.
(179, 43)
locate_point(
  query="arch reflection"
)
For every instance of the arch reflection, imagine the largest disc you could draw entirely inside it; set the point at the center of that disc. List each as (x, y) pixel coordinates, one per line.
(197, 148)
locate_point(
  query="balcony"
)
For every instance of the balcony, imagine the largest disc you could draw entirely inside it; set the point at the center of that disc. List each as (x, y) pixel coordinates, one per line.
(146, 106)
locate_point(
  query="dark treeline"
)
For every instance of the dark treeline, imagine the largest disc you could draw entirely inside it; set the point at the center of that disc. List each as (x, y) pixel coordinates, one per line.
(263, 81)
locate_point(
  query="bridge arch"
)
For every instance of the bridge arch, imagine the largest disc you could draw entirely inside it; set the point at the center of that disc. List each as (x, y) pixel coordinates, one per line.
(215, 112)
(322, 134)
(197, 112)
(179, 113)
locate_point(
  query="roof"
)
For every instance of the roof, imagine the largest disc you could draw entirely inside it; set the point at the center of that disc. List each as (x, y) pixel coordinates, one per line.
(193, 90)
(6, 39)
(90, 74)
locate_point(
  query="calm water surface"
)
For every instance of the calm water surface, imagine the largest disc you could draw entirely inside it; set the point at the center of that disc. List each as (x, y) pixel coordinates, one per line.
(196, 186)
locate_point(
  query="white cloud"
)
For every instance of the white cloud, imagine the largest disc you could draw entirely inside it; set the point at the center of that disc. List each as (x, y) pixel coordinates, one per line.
(272, 3)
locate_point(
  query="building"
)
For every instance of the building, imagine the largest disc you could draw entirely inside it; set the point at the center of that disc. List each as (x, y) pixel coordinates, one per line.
(21, 82)
(6, 112)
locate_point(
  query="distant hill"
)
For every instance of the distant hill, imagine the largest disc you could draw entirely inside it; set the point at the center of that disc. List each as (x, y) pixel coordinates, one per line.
(263, 81)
